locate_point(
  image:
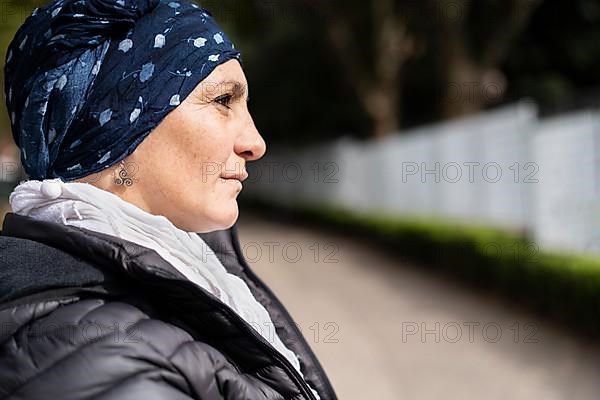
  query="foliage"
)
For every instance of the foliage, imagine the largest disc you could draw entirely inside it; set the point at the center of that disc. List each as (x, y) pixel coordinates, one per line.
(557, 59)
(12, 15)
(551, 55)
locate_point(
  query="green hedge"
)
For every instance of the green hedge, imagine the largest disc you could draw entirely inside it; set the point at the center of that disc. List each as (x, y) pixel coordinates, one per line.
(563, 285)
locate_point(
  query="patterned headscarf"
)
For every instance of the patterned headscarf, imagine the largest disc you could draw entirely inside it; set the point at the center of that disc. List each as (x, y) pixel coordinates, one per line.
(86, 81)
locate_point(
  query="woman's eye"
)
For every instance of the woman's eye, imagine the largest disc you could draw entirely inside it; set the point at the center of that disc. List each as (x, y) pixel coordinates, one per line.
(224, 100)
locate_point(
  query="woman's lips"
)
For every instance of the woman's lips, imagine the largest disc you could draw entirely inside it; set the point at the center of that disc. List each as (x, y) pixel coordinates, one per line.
(236, 178)
(234, 181)
(242, 176)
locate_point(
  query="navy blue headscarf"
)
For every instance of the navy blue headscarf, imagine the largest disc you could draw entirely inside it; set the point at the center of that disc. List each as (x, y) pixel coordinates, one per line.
(86, 81)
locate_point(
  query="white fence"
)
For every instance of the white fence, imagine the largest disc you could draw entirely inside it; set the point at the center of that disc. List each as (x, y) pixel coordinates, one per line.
(506, 168)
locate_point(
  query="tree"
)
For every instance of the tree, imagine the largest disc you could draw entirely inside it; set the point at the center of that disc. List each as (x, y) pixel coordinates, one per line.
(376, 75)
(472, 40)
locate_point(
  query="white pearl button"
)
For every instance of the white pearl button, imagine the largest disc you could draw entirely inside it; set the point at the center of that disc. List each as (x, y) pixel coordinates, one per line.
(52, 190)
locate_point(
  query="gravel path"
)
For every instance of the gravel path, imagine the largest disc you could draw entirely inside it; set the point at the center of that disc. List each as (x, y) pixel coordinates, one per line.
(386, 330)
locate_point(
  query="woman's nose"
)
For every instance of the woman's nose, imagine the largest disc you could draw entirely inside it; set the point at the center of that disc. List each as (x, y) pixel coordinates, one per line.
(251, 145)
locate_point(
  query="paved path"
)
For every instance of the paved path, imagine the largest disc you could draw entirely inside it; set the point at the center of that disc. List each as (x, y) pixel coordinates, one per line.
(386, 330)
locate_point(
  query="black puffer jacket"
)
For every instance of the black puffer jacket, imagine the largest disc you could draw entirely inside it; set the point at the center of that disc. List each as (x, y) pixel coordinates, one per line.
(85, 315)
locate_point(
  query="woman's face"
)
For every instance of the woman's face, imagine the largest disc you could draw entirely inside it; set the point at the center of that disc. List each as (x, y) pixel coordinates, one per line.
(189, 167)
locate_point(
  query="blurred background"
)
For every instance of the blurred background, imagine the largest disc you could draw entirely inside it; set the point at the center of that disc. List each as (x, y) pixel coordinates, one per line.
(428, 207)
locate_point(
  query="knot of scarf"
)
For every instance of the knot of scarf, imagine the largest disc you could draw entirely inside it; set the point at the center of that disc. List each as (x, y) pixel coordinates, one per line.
(81, 24)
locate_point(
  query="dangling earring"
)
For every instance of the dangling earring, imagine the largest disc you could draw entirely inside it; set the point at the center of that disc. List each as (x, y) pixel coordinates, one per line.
(123, 177)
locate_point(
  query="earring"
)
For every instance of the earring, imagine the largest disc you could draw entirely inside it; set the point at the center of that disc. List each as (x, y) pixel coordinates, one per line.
(123, 177)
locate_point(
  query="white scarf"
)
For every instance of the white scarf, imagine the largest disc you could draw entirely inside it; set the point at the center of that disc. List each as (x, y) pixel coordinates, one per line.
(86, 206)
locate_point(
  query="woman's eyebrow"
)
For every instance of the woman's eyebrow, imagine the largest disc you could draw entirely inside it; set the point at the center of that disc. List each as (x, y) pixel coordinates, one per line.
(238, 88)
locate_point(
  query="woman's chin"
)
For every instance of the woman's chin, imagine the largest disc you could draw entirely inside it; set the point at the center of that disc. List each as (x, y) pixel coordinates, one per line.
(232, 216)
(223, 217)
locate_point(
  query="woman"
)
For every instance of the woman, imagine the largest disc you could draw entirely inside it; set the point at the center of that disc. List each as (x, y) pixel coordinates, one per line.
(121, 274)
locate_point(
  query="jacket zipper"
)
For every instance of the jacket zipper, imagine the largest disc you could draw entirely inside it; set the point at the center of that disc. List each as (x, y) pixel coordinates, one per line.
(286, 314)
(288, 367)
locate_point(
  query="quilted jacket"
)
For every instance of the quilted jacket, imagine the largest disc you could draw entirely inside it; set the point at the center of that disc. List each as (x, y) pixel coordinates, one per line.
(84, 315)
